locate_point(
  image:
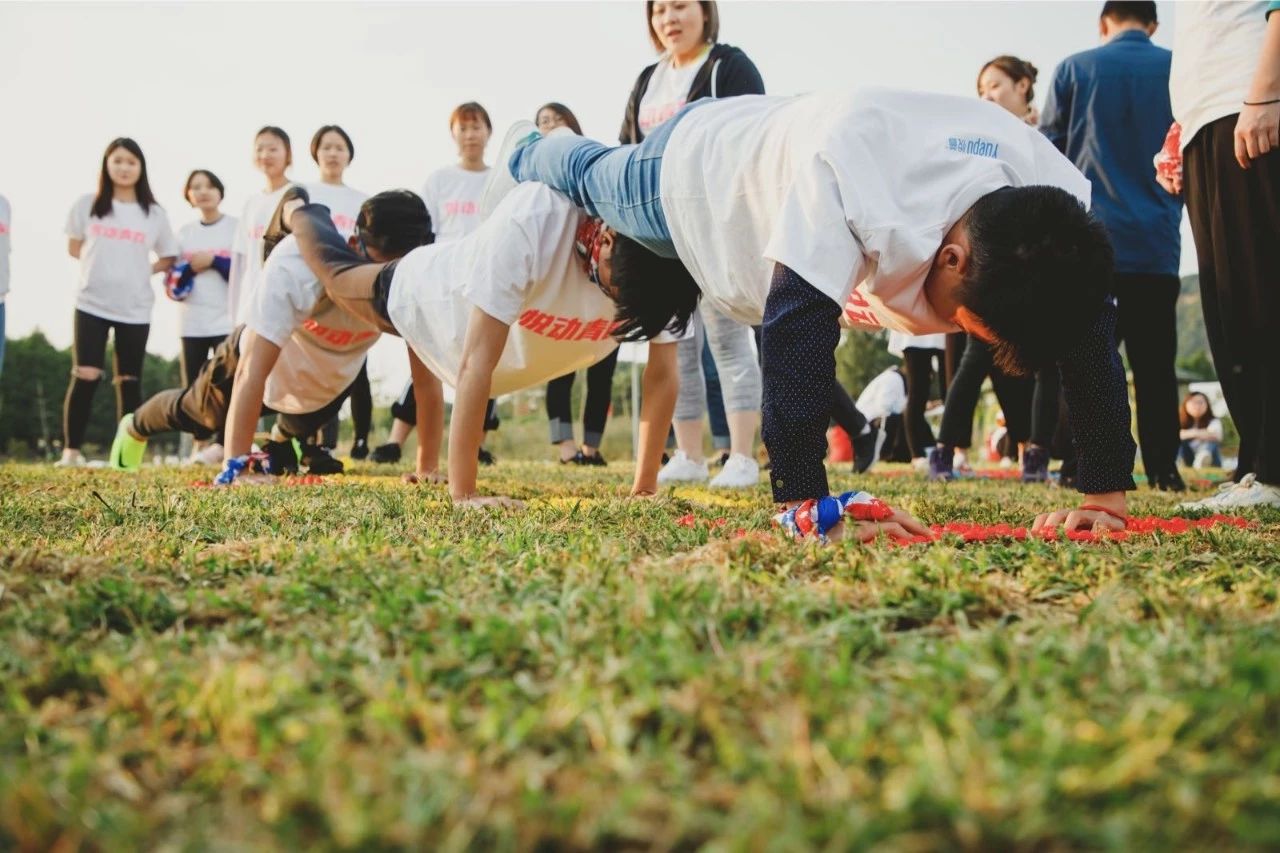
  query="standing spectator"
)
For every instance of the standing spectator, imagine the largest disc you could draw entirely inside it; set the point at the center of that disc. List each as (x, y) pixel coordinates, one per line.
(1226, 96)
(922, 356)
(272, 156)
(693, 65)
(113, 234)
(6, 223)
(452, 195)
(1108, 110)
(595, 410)
(199, 283)
(332, 150)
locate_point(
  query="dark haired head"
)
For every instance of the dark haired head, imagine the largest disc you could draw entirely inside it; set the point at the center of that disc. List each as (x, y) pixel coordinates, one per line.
(278, 133)
(1017, 69)
(470, 111)
(651, 293)
(710, 23)
(1039, 270)
(394, 223)
(210, 176)
(1143, 13)
(566, 115)
(319, 137)
(102, 200)
(1187, 421)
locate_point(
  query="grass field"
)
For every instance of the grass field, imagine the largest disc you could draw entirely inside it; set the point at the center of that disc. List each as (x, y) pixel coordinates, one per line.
(361, 666)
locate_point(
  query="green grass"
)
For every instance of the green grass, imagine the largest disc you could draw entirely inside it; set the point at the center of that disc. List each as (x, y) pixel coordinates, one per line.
(362, 666)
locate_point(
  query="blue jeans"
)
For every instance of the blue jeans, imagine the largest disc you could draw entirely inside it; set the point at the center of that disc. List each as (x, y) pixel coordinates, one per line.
(1189, 449)
(618, 185)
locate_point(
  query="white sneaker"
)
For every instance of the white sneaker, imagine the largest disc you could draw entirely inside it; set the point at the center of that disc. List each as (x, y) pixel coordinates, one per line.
(1246, 493)
(682, 469)
(921, 463)
(209, 455)
(740, 472)
(499, 182)
(75, 460)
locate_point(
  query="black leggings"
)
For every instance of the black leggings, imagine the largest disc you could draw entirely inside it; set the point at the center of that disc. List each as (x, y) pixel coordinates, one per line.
(195, 352)
(90, 350)
(361, 412)
(1030, 408)
(405, 408)
(595, 410)
(920, 370)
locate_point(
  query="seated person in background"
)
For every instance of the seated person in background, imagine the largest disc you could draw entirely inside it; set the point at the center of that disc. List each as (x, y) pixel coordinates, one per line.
(1201, 433)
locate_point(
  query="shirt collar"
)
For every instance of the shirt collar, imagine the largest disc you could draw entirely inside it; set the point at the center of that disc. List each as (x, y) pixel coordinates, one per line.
(1129, 35)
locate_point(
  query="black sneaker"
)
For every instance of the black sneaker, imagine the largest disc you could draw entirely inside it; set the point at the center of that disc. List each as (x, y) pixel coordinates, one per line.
(485, 457)
(360, 449)
(864, 450)
(1035, 464)
(318, 461)
(388, 453)
(1170, 482)
(594, 459)
(281, 458)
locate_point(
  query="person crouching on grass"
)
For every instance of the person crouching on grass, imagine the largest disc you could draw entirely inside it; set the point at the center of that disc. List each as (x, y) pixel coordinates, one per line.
(526, 297)
(879, 208)
(297, 354)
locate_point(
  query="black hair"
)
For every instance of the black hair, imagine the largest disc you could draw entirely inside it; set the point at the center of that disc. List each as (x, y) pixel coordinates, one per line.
(319, 135)
(1143, 13)
(651, 293)
(1039, 270)
(213, 179)
(278, 133)
(566, 115)
(394, 222)
(102, 201)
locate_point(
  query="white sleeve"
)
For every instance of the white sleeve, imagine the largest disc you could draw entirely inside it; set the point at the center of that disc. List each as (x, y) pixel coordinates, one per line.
(240, 244)
(429, 199)
(1215, 428)
(78, 220)
(166, 244)
(281, 303)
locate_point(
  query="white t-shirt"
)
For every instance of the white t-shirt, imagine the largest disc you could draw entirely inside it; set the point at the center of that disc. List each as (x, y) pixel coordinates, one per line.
(205, 312)
(667, 91)
(322, 347)
(6, 223)
(884, 396)
(452, 196)
(846, 188)
(248, 246)
(343, 203)
(899, 341)
(519, 267)
(1216, 47)
(115, 258)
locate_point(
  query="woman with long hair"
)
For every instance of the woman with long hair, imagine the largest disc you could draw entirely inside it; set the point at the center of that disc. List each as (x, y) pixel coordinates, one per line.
(114, 233)
(692, 64)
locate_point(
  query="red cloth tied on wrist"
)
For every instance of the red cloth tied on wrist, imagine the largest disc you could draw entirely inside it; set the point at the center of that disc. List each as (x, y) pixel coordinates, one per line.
(869, 510)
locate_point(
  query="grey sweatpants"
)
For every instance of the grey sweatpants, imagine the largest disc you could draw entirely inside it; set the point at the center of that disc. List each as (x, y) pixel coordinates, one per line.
(733, 348)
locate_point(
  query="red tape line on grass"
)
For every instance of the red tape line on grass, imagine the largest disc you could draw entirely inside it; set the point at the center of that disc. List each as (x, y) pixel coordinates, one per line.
(969, 532)
(296, 480)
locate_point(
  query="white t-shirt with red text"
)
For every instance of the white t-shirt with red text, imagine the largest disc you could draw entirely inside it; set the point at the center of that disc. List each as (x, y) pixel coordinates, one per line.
(247, 248)
(115, 258)
(343, 203)
(6, 223)
(322, 347)
(667, 91)
(452, 196)
(853, 191)
(519, 267)
(206, 313)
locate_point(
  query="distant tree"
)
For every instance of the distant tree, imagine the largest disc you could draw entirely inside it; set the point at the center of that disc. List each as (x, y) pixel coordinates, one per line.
(861, 357)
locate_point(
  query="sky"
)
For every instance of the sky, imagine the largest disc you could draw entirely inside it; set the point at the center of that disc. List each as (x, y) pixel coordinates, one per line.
(192, 82)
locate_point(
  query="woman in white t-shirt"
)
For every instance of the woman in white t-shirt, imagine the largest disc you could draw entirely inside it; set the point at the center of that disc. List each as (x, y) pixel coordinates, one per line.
(452, 196)
(199, 282)
(272, 155)
(691, 66)
(332, 150)
(114, 234)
